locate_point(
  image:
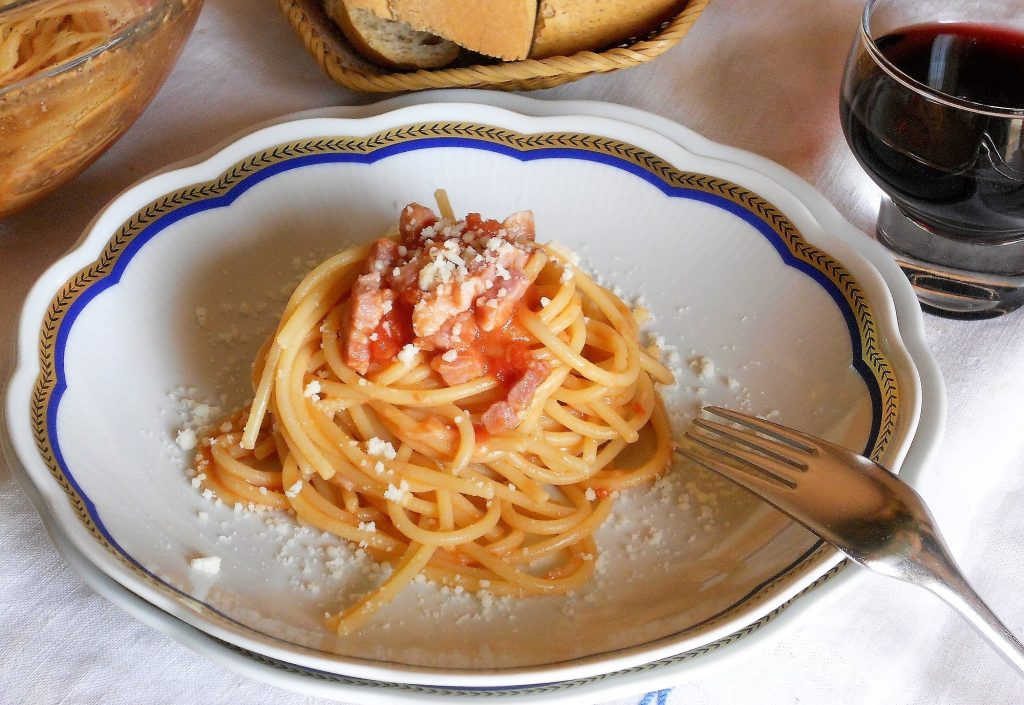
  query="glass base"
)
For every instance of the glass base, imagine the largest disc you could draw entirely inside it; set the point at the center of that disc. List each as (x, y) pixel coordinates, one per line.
(926, 257)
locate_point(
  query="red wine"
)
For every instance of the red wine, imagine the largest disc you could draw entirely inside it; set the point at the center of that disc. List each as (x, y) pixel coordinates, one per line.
(959, 170)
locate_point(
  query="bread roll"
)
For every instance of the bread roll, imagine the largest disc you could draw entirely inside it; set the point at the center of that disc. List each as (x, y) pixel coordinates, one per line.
(567, 26)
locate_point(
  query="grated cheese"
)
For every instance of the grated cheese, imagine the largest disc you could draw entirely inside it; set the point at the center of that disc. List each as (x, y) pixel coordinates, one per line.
(397, 494)
(205, 564)
(186, 439)
(408, 353)
(379, 448)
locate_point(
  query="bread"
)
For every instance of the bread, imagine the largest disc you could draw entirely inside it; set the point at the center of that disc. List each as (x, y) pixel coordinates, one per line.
(390, 43)
(567, 26)
(506, 29)
(377, 7)
(498, 28)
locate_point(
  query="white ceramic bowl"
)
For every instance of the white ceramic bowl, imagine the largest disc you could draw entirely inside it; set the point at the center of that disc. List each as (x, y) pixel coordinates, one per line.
(734, 266)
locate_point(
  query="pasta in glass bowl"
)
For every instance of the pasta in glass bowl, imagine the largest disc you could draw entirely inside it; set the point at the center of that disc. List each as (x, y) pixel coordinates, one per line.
(74, 75)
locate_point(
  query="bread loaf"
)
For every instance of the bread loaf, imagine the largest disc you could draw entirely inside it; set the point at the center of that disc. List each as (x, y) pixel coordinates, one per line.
(567, 26)
(389, 43)
(517, 29)
(377, 7)
(498, 28)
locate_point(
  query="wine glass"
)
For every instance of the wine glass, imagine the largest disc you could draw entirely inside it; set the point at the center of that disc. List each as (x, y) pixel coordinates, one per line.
(932, 106)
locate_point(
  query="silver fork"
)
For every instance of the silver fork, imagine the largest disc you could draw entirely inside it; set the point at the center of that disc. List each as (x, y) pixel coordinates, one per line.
(852, 502)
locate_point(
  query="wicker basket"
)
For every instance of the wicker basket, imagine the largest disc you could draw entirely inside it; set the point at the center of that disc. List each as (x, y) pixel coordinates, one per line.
(345, 66)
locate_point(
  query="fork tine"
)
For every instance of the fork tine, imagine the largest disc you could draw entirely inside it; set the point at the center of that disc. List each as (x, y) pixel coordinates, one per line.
(797, 439)
(760, 463)
(773, 449)
(758, 484)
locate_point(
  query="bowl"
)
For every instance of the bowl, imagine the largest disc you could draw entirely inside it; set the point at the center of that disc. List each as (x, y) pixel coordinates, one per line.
(113, 355)
(57, 120)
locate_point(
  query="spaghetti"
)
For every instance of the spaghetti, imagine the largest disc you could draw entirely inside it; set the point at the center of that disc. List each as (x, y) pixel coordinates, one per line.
(457, 399)
(38, 37)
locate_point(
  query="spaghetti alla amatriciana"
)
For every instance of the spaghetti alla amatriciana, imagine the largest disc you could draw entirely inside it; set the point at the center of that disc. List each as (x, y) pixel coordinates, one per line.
(455, 398)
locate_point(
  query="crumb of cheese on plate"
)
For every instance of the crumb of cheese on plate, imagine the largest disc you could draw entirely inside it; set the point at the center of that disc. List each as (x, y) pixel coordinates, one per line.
(205, 564)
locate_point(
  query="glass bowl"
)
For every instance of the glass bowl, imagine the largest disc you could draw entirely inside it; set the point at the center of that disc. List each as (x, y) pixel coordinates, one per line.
(55, 121)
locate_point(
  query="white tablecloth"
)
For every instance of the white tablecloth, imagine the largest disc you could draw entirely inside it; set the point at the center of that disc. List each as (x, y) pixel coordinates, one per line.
(758, 74)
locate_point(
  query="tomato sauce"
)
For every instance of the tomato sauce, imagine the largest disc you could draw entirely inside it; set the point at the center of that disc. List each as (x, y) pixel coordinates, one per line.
(475, 222)
(392, 334)
(506, 352)
(481, 432)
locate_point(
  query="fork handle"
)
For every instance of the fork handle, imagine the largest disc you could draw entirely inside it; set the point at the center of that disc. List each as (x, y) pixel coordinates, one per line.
(949, 584)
